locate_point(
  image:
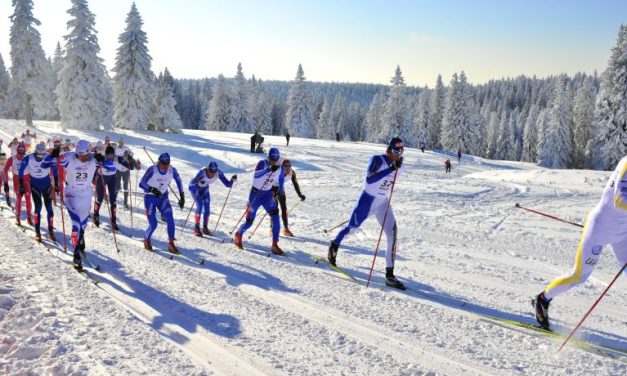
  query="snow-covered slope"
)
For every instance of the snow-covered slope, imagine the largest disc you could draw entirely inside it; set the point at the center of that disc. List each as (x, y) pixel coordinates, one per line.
(463, 249)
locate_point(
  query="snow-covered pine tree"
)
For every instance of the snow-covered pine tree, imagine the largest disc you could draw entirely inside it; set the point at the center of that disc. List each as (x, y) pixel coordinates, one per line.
(299, 116)
(396, 117)
(84, 90)
(556, 148)
(30, 85)
(373, 120)
(438, 103)
(460, 123)
(583, 115)
(263, 113)
(530, 136)
(133, 85)
(324, 131)
(166, 119)
(355, 121)
(5, 79)
(218, 116)
(240, 118)
(493, 133)
(338, 117)
(422, 119)
(610, 114)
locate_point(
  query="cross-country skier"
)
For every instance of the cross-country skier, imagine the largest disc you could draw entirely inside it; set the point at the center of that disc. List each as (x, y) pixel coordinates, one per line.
(199, 187)
(374, 200)
(37, 165)
(13, 164)
(80, 167)
(266, 172)
(109, 178)
(123, 174)
(155, 183)
(281, 198)
(27, 139)
(4, 180)
(606, 224)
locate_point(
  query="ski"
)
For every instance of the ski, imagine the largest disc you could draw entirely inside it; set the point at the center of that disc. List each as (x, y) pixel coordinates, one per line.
(592, 347)
(88, 261)
(89, 278)
(319, 259)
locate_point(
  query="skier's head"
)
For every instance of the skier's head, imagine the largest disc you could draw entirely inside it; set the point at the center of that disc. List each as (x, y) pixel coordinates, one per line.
(212, 167)
(107, 140)
(274, 155)
(100, 147)
(164, 160)
(121, 142)
(21, 149)
(396, 147)
(40, 150)
(109, 152)
(82, 150)
(287, 165)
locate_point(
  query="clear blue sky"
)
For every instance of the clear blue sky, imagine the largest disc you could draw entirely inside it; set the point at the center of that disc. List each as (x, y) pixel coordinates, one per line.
(356, 40)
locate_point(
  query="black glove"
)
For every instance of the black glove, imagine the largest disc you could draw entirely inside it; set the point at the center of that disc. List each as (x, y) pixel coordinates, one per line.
(56, 152)
(234, 178)
(21, 188)
(182, 201)
(274, 168)
(155, 192)
(99, 158)
(395, 165)
(6, 188)
(302, 197)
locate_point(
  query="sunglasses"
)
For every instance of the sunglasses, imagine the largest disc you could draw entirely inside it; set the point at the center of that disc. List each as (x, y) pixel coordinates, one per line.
(398, 151)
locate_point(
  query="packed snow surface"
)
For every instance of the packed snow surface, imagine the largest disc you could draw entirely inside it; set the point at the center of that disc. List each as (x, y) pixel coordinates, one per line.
(464, 250)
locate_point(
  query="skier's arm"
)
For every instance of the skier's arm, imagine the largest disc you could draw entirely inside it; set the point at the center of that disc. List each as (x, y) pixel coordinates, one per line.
(620, 189)
(143, 184)
(281, 181)
(109, 166)
(23, 167)
(371, 175)
(227, 183)
(123, 162)
(295, 183)
(261, 169)
(7, 168)
(193, 185)
(48, 162)
(177, 179)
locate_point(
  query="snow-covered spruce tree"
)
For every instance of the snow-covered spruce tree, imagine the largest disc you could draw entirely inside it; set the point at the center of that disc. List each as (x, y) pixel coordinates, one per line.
(5, 79)
(338, 117)
(530, 136)
(610, 113)
(583, 114)
(239, 114)
(422, 119)
(166, 119)
(506, 142)
(557, 146)
(373, 120)
(84, 90)
(263, 110)
(299, 116)
(460, 123)
(133, 86)
(396, 117)
(30, 85)
(438, 102)
(324, 131)
(493, 132)
(354, 121)
(218, 116)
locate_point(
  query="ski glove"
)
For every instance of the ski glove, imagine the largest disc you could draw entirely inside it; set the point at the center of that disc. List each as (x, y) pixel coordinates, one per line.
(302, 197)
(395, 165)
(234, 178)
(55, 152)
(21, 188)
(274, 167)
(182, 201)
(6, 188)
(99, 158)
(155, 192)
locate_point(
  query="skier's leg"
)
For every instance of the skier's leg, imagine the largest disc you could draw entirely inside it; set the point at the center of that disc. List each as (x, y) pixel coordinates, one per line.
(272, 209)
(587, 255)
(166, 210)
(283, 203)
(36, 194)
(29, 208)
(620, 251)
(251, 212)
(49, 211)
(390, 230)
(18, 197)
(150, 204)
(125, 178)
(206, 207)
(359, 215)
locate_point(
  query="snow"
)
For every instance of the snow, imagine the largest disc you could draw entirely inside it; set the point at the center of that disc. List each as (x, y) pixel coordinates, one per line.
(463, 248)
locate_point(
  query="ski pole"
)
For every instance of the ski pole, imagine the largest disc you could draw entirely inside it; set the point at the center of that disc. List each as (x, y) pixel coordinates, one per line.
(220, 216)
(547, 215)
(131, 202)
(153, 161)
(334, 227)
(385, 216)
(61, 179)
(591, 308)
(104, 188)
(294, 207)
(262, 218)
(190, 212)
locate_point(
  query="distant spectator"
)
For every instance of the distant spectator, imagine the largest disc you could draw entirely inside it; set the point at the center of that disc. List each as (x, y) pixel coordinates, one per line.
(337, 136)
(287, 137)
(422, 147)
(459, 155)
(253, 138)
(447, 166)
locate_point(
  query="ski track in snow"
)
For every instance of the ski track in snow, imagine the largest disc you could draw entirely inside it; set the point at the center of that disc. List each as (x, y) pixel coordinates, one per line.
(464, 249)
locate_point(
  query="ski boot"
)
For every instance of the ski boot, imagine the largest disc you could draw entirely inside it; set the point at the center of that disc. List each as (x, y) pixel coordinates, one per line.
(18, 222)
(172, 248)
(114, 225)
(96, 218)
(205, 230)
(287, 232)
(332, 255)
(237, 240)
(38, 236)
(51, 235)
(276, 250)
(148, 245)
(29, 220)
(126, 205)
(77, 262)
(541, 305)
(391, 281)
(197, 230)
